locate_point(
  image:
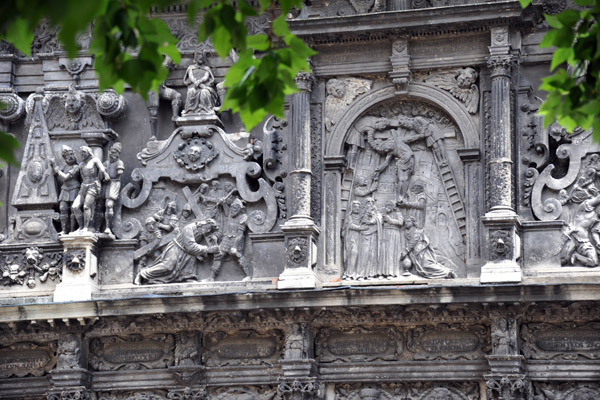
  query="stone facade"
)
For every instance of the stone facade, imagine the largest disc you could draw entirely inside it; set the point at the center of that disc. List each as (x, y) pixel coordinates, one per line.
(410, 231)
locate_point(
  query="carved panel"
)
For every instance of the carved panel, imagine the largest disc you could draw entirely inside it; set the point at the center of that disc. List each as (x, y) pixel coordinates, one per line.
(359, 344)
(132, 352)
(568, 341)
(401, 195)
(242, 348)
(26, 358)
(416, 391)
(449, 342)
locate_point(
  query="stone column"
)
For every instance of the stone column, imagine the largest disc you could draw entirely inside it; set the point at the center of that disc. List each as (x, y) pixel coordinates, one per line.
(80, 268)
(300, 230)
(501, 222)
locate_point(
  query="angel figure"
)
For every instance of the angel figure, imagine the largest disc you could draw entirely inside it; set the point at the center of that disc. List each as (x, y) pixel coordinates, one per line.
(340, 94)
(460, 83)
(73, 111)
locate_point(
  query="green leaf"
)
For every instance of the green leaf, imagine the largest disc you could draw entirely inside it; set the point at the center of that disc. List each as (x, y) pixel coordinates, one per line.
(280, 26)
(560, 56)
(8, 144)
(548, 40)
(259, 42)
(553, 21)
(525, 3)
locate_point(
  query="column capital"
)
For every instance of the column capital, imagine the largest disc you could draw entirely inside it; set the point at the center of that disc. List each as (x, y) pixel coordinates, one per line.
(500, 65)
(305, 81)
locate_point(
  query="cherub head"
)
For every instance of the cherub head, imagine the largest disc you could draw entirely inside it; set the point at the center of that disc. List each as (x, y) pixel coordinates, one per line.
(194, 153)
(73, 101)
(466, 77)
(336, 88)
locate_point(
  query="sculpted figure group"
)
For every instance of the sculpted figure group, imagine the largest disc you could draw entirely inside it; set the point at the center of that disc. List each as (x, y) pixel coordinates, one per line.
(206, 233)
(82, 186)
(387, 245)
(383, 232)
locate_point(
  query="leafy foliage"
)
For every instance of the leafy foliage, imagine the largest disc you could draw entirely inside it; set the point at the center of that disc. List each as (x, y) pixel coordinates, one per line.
(573, 90)
(129, 45)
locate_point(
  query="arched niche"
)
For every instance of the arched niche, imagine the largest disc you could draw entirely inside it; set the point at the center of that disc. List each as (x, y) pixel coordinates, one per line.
(467, 132)
(418, 91)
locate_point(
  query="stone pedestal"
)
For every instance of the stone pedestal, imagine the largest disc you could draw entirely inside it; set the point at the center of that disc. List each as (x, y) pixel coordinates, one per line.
(503, 248)
(301, 255)
(80, 267)
(301, 368)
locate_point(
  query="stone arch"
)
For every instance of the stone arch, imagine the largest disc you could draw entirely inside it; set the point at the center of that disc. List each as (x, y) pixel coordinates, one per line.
(417, 90)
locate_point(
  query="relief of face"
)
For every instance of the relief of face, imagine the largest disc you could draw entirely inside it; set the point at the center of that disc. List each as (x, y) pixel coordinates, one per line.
(73, 104)
(69, 158)
(355, 207)
(466, 78)
(194, 153)
(113, 154)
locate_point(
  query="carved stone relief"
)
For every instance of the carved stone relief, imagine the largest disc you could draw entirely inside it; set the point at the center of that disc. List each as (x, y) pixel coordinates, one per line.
(572, 198)
(401, 180)
(359, 344)
(460, 83)
(30, 266)
(242, 348)
(132, 352)
(340, 94)
(449, 342)
(27, 359)
(565, 391)
(418, 391)
(567, 341)
(139, 395)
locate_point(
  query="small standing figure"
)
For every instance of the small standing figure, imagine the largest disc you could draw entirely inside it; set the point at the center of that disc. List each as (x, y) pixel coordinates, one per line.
(92, 172)
(393, 242)
(202, 98)
(68, 352)
(115, 168)
(233, 240)
(295, 347)
(352, 239)
(501, 338)
(69, 189)
(186, 349)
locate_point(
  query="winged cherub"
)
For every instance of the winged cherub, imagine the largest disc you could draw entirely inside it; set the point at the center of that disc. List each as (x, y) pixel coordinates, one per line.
(460, 83)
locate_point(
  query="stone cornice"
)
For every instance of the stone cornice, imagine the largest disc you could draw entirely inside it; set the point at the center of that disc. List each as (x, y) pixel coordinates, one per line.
(140, 304)
(379, 26)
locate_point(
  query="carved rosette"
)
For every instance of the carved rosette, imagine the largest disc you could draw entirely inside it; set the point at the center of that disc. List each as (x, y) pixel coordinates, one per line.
(500, 65)
(553, 7)
(14, 106)
(75, 260)
(110, 104)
